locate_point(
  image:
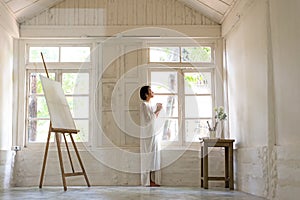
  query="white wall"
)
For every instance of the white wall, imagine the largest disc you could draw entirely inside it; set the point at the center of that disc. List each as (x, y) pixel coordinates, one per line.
(247, 63)
(6, 83)
(286, 47)
(262, 49)
(247, 67)
(6, 91)
(8, 30)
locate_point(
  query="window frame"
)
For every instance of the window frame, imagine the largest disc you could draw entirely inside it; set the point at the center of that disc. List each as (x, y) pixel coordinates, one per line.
(212, 97)
(184, 67)
(58, 68)
(181, 100)
(27, 63)
(194, 64)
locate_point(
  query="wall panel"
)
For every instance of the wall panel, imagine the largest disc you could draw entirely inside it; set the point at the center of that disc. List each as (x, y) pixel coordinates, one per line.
(112, 12)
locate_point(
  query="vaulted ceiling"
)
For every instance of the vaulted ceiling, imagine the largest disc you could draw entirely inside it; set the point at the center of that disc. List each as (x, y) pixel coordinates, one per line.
(216, 10)
(26, 9)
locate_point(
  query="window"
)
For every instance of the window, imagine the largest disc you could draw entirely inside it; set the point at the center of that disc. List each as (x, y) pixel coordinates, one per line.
(197, 104)
(37, 111)
(164, 84)
(75, 83)
(164, 54)
(51, 54)
(191, 54)
(59, 54)
(186, 92)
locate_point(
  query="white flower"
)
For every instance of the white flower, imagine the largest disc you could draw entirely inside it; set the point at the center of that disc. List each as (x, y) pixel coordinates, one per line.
(220, 115)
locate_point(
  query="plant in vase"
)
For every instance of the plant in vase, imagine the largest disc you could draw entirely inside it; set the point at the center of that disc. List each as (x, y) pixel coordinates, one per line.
(220, 116)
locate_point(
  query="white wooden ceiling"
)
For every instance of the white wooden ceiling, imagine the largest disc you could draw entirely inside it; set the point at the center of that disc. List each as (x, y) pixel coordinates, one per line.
(216, 10)
(26, 9)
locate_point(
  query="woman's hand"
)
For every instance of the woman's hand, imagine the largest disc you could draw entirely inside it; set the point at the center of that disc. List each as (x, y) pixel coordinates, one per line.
(158, 108)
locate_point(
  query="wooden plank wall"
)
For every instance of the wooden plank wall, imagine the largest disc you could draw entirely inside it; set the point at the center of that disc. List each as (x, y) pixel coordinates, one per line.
(120, 12)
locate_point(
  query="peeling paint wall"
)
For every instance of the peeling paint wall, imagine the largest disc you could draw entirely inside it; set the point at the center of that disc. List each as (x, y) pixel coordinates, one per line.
(251, 170)
(247, 51)
(262, 49)
(288, 172)
(184, 171)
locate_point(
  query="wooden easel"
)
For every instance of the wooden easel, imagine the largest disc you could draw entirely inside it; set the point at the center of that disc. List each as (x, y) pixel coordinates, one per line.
(58, 132)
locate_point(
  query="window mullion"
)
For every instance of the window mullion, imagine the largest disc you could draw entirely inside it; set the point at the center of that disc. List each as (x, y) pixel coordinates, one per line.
(181, 107)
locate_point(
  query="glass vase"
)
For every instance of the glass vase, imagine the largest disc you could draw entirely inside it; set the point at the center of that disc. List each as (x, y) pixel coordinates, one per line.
(220, 131)
(212, 134)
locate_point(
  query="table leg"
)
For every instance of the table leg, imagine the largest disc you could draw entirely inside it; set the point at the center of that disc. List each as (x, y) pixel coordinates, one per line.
(231, 181)
(226, 168)
(201, 170)
(205, 166)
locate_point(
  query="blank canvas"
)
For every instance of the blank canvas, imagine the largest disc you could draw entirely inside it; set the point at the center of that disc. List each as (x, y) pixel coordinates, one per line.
(60, 114)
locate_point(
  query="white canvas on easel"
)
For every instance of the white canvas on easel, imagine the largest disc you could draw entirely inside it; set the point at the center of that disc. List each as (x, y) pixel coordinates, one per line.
(61, 123)
(60, 114)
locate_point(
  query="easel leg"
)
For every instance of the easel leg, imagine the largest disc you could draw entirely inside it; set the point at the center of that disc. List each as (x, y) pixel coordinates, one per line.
(66, 143)
(45, 158)
(61, 161)
(80, 162)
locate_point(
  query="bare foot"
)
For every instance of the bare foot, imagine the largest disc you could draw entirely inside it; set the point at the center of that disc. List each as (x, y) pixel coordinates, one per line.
(153, 184)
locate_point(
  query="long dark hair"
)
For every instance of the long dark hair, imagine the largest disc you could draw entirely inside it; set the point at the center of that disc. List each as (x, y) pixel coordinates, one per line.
(143, 91)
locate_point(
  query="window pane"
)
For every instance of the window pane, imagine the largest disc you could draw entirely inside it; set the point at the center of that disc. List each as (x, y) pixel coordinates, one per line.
(35, 86)
(50, 54)
(164, 82)
(75, 54)
(196, 54)
(170, 130)
(170, 105)
(37, 107)
(164, 54)
(83, 126)
(82, 135)
(195, 129)
(38, 131)
(75, 83)
(79, 106)
(198, 106)
(197, 83)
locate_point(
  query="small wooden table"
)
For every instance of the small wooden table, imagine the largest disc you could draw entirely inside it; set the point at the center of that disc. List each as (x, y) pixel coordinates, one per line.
(228, 145)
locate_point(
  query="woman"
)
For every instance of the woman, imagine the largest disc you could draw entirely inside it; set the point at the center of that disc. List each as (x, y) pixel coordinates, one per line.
(150, 141)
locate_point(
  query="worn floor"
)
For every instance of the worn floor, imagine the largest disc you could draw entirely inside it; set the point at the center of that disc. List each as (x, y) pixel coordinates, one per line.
(130, 193)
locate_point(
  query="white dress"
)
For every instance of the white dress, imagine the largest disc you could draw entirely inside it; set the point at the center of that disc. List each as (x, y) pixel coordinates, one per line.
(149, 145)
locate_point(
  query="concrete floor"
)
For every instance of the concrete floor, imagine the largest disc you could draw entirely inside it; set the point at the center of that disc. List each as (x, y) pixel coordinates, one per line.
(118, 192)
